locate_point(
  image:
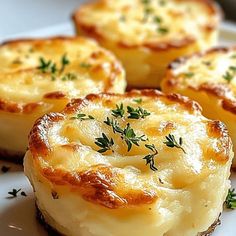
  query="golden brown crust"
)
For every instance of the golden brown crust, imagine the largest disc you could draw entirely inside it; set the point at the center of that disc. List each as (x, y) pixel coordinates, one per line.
(93, 31)
(96, 185)
(219, 90)
(38, 140)
(218, 130)
(13, 107)
(28, 108)
(55, 95)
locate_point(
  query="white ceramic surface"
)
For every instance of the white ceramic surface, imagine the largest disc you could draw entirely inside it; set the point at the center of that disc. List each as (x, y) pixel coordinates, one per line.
(17, 215)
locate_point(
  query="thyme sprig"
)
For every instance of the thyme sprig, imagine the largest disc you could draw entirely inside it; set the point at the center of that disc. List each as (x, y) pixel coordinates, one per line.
(46, 66)
(14, 193)
(131, 138)
(150, 157)
(137, 113)
(188, 75)
(172, 143)
(51, 67)
(82, 117)
(64, 61)
(119, 111)
(230, 201)
(104, 143)
(230, 74)
(127, 134)
(69, 77)
(114, 124)
(138, 100)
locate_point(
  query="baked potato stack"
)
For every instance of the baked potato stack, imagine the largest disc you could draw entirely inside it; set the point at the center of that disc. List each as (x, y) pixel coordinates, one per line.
(40, 76)
(142, 163)
(146, 35)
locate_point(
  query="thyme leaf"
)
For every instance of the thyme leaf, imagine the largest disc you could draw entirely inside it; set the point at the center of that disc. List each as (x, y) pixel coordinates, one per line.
(230, 201)
(104, 143)
(150, 157)
(119, 111)
(172, 143)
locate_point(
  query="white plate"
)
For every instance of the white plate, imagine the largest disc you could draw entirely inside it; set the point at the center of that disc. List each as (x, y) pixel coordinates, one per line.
(17, 215)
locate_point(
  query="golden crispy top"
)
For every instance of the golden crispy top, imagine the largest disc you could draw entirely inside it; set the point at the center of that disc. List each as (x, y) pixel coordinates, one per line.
(155, 24)
(118, 150)
(34, 72)
(213, 72)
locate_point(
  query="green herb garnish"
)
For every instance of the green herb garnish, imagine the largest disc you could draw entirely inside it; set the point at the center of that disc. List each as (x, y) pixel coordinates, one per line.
(104, 143)
(82, 117)
(145, 1)
(14, 192)
(131, 138)
(228, 76)
(189, 74)
(64, 61)
(157, 19)
(114, 124)
(138, 100)
(119, 111)
(230, 201)
(137, 113)
(127, 134)
(69, 77)
(171, 142)
(163, 30)
(150, 157)
(23, 194)
(46, 66)
(232, 68)
(51, 67)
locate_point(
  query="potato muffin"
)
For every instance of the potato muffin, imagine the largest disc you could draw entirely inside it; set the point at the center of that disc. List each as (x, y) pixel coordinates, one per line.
(146, 35)
(43, 75)
(210, 79)
(142, 163)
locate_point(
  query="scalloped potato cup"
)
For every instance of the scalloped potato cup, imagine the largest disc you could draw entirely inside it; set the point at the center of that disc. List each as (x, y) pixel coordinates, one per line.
(43, 75)
(142, 163)
(208, 78)
(147, 36)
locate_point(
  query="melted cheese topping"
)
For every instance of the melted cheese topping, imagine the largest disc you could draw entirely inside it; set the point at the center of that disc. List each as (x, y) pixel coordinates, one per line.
(92, 68)
(211, 68)
(210, 79)
(138, 22)
(177, 199)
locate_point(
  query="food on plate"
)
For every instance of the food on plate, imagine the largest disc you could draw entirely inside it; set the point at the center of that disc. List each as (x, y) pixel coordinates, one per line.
(142, 163)
(43, 75)
(146, 35)
(210, 79)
